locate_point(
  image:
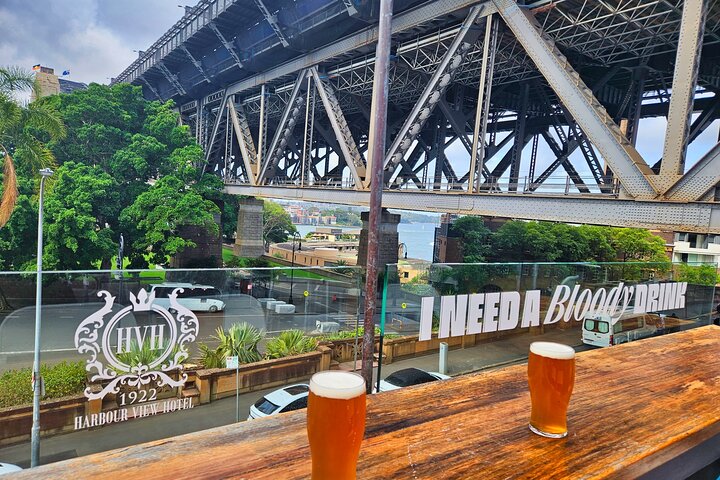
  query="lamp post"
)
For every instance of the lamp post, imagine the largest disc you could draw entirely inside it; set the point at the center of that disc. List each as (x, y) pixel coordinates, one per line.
(37, 382)
(296, 236)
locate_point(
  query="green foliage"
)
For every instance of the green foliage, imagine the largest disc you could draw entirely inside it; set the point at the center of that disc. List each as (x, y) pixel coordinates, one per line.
(346, 334)
(277, 224)
(697, 274)
(126, 166)
(240, 340)
(244, 262)
(343, 217)
(289, 342)
(161, 211)
(142, 354)
(212, 358)
(24, 133)
(21, 230)
(83, 199)
(519, 241)
(638, 245)
(61, 380)
(475, 238)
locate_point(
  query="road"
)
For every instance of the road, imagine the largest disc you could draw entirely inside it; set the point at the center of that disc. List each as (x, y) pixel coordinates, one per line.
(502, 352)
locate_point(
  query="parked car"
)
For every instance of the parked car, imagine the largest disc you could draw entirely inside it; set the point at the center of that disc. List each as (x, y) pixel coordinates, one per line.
(198, 298)
(598, 330)
(8, 468)
(286, 399)
(409, 376)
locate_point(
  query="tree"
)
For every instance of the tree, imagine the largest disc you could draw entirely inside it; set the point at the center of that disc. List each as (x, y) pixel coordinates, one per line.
(20, 233)
(159, 212)
(518, 241)
(475, 237)
(638, 245)
(146, 168)
(277, 224)
(77, 211)
(23, 130)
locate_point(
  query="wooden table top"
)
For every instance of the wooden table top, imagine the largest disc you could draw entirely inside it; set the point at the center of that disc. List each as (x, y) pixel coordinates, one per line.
(635, 406)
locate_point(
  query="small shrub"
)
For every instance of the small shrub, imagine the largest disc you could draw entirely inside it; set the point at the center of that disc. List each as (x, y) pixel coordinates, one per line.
(290, 342)
(61, 380)
(212, 358)
(240, 340)
(142, 354)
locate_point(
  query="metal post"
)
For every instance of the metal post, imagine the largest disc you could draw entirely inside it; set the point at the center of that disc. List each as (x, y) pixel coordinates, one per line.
(262, 129)
(305, 136)
(479, 110)
(237, 391)
(442, 367)
(376, 154)
(37, 382)
(292, 269)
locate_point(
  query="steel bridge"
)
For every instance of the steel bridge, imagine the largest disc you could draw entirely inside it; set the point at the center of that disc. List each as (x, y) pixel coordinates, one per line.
(278, 94)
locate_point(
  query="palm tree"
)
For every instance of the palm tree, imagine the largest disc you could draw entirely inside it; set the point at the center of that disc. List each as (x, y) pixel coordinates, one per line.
(22, 129)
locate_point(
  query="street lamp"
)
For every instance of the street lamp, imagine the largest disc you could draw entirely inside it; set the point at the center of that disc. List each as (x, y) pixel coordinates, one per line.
(37, 382)
(296, 236)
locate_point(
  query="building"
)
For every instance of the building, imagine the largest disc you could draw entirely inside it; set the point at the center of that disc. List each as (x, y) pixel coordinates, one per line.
(448, 245)
(50, 84)
(695, 247)
(330, 234)
(317, 254)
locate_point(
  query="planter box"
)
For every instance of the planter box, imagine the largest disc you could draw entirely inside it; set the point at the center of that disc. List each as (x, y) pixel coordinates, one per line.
(219, 383)
(56, 416)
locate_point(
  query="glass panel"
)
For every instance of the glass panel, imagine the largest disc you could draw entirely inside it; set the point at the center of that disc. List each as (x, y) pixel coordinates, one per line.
(488, 314)
(152, 346)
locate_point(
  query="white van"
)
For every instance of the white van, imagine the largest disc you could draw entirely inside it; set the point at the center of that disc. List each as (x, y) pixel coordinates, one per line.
(598, 330)
(198, 298)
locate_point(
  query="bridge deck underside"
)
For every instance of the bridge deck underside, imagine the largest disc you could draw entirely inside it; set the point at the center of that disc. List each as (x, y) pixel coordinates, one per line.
(300, 82)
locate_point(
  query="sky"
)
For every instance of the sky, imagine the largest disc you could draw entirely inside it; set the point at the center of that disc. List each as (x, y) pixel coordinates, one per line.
(93, 39)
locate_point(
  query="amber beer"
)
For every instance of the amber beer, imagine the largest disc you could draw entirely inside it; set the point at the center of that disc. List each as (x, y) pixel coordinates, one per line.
(551, 375)
(335, 423)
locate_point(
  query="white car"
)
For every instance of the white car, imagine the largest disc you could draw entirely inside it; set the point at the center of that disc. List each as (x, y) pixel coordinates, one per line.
(286, 399)
(8, 468)
(198, 298)
(409, 376)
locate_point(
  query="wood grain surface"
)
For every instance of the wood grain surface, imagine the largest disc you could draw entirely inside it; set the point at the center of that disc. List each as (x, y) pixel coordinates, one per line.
(635, 406)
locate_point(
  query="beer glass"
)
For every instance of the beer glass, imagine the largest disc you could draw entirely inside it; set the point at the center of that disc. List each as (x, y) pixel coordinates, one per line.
(551, 376)
(335, 423)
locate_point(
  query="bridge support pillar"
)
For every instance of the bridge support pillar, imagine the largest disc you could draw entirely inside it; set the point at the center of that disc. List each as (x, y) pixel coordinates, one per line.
(249, 238)
(388, 241)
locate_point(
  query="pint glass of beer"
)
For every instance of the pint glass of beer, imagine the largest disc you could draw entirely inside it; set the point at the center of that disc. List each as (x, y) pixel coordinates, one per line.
(335, 423)
(551, 375)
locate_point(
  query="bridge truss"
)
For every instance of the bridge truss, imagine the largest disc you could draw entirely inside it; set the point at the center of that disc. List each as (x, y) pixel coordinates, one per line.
(278, 94)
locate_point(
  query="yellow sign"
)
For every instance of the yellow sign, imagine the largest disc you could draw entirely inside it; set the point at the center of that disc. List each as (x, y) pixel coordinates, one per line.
(403, 305)
(306, 293)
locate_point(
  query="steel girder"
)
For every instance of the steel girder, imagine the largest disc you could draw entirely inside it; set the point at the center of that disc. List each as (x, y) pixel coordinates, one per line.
(244, 140)
(273, 21)
(339, 125)
(171, 78)
(434, 90)
(350, 81)
(684, 80)
(625, 161)
(291, 114)
(701, 217)
(196, 62)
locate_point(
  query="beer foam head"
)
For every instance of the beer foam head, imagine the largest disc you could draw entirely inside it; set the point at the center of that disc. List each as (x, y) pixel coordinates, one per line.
(336, 384)
(552, 350)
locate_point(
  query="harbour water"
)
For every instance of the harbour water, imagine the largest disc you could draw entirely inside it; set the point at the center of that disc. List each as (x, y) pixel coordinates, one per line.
(417, 237)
